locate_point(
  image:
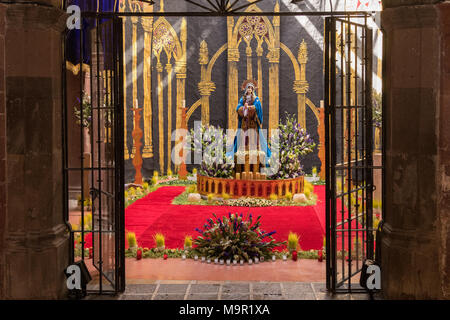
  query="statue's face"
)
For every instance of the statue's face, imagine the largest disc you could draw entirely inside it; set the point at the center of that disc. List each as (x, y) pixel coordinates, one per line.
(249, 90)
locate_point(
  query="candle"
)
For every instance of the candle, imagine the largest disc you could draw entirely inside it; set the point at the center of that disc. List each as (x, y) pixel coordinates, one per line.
(208, 261)
(241, 262)
(183, 257)
(228, 262)
(274, 258)
(250, 261)
(256, 260)
(221, 261)
(234, 262)
(203, 259)
(284, 257)
(196, 258)
(261, 259)
(216, 261)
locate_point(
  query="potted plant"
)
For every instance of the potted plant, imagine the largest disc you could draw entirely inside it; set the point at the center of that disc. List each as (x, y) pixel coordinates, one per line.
(273, 197)
(293, 242)
(131, 237)
(159, 241)
(139, 254)
(284, 254)
(288, 196)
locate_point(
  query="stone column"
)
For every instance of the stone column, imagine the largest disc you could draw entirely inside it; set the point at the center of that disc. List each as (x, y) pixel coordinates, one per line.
(34, 246)
(416, 237)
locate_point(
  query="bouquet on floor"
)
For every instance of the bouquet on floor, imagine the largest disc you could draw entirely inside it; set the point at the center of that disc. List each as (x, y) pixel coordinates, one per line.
(235, 238)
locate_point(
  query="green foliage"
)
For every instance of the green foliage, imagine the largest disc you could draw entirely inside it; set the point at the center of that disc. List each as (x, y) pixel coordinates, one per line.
(377, 204)
(131, 237)
(182, 199)
(87, 202)
(86, 108)
(188, 241)
(235, 237)
(293, 239)
(249, 202)
(288, 196)
(273, 197)
(87, 223)
(159, 240)
(293, 144)
(177, 182)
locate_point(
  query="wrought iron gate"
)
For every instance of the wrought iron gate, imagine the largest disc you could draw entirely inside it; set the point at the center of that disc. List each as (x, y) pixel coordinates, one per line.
(349, 147)
(93, 156)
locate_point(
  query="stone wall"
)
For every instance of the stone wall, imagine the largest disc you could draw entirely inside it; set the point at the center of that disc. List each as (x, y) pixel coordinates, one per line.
(414, 251)
(2, 141)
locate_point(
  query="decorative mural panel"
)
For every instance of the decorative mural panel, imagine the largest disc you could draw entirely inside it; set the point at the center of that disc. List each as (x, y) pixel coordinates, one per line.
(201, 62)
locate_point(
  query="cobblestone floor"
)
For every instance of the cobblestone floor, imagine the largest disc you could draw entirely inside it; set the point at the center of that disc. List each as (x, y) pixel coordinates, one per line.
(201, 290)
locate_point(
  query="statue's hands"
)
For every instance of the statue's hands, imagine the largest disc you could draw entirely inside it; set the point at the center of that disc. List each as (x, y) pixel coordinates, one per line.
(251, 111)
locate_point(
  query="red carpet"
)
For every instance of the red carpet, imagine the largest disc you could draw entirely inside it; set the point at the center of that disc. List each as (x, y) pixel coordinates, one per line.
(155, 213)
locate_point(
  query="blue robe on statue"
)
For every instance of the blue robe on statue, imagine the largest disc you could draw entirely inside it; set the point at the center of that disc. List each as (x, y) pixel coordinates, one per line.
(262, 139)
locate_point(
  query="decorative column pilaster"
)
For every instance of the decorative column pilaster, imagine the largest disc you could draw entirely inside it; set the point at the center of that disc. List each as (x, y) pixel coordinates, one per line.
(180, 69)
(259, 53)
(125, 111)
(147, 24)
(205, 86)
(301, 86)
(248, 52)
(169, 112)
(415, 260)
(160, 69)
(274, 74)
